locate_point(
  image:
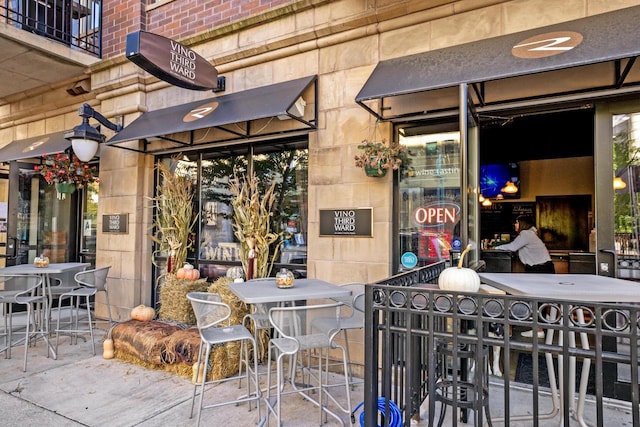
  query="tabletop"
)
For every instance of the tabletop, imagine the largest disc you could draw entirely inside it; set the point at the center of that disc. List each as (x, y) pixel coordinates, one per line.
(261, 291)
(575, 287)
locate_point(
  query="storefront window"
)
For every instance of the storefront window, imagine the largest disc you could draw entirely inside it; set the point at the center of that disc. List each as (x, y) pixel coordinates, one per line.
(626, 152)
(216, 247)
(429, 196)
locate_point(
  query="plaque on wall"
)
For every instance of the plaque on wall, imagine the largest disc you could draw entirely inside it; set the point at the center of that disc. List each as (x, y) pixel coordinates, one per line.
(346, 222)
(115, 223)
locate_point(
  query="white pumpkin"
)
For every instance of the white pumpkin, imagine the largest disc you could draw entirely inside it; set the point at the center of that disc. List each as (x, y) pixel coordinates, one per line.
(459, 279)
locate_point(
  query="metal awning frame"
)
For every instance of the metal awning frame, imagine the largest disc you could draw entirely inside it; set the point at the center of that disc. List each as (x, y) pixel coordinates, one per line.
(418, 83)
(243, 132)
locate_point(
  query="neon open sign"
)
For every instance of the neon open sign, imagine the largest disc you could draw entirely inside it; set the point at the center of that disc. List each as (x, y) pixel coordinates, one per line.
(437, 213)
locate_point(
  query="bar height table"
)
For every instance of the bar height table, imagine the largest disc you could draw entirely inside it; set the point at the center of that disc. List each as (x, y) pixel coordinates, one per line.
(45, 272)
(578, 288)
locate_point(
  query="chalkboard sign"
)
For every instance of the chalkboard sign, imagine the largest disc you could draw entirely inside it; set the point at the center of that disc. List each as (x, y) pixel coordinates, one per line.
(346, 222)
(115, 223)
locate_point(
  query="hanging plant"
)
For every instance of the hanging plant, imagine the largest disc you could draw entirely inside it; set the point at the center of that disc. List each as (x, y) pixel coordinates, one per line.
(175, 217)
(377, 157)
(66, 172)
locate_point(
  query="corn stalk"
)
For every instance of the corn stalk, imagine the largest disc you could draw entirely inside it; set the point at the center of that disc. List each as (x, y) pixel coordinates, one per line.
(252, 224)
(174, 214)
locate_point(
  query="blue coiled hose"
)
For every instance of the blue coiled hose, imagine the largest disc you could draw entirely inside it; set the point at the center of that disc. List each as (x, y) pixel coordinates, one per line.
(395, 415)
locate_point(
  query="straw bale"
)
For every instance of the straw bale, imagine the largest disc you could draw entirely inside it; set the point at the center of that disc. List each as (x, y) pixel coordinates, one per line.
(175, 305)
(142, 340)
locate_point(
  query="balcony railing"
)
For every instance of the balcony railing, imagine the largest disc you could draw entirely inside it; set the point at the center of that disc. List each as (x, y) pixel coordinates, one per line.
(77, 24)
(412, 325)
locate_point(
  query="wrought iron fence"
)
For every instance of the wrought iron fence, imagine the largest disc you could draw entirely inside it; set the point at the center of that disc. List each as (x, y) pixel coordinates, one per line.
(77, 24)
(425, 340)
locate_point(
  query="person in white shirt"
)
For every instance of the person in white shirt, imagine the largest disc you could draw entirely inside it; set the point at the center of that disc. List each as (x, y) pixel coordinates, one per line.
(531, 250)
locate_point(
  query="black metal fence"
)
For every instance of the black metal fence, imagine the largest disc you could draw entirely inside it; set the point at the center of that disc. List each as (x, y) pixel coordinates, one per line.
(425, 339)
(77, 24)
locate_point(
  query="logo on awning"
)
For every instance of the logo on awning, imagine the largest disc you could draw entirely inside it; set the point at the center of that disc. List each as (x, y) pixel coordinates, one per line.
(547, 44)
(32, 147)
(200, 112)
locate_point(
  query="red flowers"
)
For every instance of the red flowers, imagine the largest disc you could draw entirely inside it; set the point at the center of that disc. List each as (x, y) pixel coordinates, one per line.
(60, 168)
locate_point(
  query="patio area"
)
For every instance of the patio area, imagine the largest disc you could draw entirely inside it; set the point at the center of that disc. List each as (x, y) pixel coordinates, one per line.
(82, 389)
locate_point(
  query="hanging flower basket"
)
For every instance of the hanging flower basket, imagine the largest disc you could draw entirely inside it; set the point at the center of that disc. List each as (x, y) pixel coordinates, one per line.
(375, 171)
(64, 188)
(376, 157)
(64, 169)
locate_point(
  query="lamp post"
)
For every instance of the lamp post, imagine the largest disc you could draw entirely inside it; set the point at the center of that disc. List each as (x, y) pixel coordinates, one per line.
(84, 137)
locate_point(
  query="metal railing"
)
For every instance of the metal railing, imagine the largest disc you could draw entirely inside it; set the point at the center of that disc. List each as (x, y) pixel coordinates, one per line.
(77, 24)
(409, 321)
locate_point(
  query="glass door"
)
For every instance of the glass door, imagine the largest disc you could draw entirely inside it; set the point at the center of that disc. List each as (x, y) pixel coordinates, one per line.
(39, 220)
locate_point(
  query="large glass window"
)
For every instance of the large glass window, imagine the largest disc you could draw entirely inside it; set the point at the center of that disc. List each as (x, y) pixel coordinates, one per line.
(216, 247)
(429, 196)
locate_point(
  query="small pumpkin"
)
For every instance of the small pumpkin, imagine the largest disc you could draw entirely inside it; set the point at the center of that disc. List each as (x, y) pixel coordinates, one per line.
(197, 371)
(459, 278)
(187, 272)
(107, 349)
(143, 313)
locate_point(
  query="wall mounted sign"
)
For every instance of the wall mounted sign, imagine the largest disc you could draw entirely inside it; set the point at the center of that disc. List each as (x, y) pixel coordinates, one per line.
(171, 61)
(346, 222)
(115, 223)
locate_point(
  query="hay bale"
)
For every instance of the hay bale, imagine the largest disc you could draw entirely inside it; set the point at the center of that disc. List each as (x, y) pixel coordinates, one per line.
(144, 341)
(175, 305)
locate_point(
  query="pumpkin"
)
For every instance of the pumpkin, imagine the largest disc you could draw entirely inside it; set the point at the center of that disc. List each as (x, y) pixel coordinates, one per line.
(459, 278)
(143, 313)
(197, 372)
(187, 272)
(107, 349)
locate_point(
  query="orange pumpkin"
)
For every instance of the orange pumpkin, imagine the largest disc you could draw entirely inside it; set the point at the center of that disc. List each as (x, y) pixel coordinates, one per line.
(143, 313)
(187, 272)
(107, 347)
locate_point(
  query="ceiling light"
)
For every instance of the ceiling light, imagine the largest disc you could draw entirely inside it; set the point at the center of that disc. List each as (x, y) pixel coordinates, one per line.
(509, 188)
(618, 183)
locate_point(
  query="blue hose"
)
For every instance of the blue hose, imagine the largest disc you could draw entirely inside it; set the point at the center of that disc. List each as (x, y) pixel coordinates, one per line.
(395, 415)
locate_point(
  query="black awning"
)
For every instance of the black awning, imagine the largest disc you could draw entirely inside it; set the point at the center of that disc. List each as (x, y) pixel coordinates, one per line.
(612, 36)
(34, 147)
(247, 114)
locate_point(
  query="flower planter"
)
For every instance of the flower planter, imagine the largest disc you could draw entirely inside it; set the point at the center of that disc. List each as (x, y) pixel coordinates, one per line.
(375, 172)
(64, 188)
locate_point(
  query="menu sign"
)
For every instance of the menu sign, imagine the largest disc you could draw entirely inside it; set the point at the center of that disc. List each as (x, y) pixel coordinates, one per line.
(115, 223)
(171, 61)
(346, 222)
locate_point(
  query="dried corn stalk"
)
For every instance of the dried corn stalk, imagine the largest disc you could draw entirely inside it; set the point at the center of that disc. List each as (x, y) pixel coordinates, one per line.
(252, 223)
(174, 213)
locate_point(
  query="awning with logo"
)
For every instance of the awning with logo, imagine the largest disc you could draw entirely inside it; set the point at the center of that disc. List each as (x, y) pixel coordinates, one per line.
(594, 54)
(264, 112)
(34, 147)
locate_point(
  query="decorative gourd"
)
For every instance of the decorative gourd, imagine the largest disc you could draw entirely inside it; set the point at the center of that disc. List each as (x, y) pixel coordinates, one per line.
(187, 272)
(459, 278)
(107, 349)
(143, 313)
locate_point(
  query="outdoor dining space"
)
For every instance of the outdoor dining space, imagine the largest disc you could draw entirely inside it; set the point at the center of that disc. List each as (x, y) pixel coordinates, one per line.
(436, 349)
(429, 361)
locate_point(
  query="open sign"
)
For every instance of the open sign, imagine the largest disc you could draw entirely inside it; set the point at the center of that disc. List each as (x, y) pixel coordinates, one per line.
(437, 213)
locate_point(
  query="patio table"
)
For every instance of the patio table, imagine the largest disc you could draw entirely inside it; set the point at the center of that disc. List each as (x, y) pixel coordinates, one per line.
(45, 272)
(263, 291)
(578, 288)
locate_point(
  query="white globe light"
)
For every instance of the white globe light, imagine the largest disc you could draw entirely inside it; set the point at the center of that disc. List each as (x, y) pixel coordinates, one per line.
(84, 149)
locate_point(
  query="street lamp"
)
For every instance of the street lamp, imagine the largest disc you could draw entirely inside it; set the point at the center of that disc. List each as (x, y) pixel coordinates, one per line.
(84, 137)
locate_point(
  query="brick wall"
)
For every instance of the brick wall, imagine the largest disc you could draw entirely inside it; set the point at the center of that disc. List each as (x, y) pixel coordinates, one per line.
(176, 19)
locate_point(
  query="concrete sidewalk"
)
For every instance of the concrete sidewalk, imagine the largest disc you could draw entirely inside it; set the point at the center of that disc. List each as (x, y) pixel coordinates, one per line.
(82, 389)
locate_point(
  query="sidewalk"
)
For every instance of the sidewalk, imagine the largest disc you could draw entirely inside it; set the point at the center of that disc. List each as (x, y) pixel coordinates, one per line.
(82, 389)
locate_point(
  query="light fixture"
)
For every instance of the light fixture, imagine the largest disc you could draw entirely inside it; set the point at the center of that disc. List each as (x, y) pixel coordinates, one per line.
(499, 196)
(486, 202)
(84, 137)
(618, 183)
(481, 198)
(509, 188)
